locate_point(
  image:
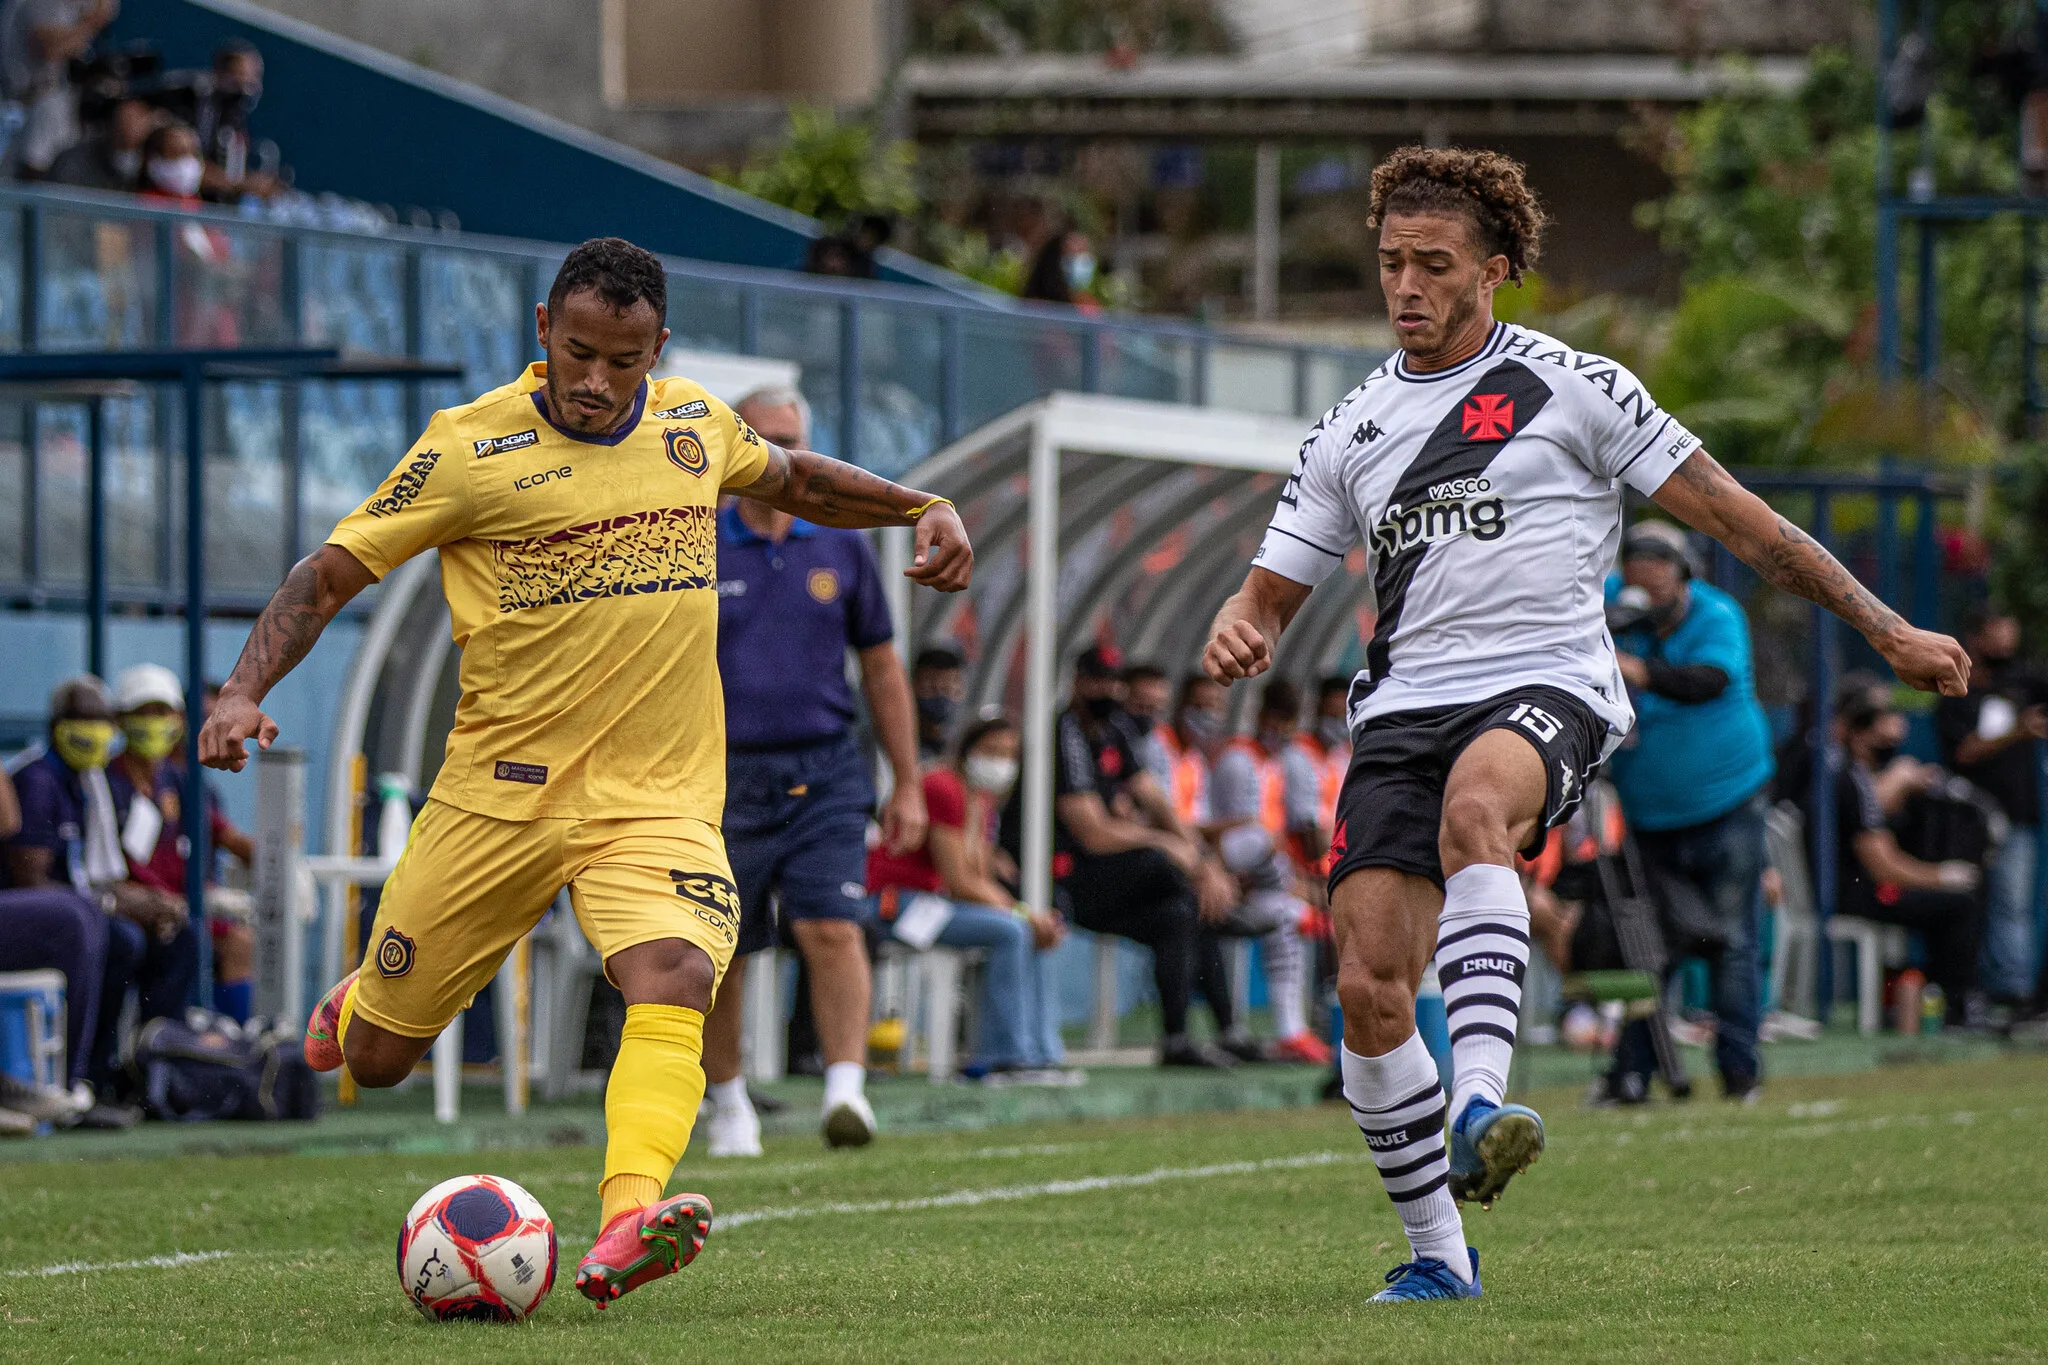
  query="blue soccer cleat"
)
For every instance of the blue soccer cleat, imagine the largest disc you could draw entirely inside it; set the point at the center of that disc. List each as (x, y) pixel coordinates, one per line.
(1430, 1279)
(1490, 1145)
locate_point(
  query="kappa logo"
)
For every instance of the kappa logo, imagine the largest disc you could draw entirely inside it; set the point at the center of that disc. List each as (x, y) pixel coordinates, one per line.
(698, 408)
(1368, 433)
(686, 451)
(394, 954)
(1488, 417)
(498, 445)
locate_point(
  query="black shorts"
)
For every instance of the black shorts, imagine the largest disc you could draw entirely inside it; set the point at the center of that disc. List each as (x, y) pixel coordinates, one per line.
(1391, 809)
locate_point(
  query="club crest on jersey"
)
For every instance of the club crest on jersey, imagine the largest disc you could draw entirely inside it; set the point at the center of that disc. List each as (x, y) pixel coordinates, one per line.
(695, 408)
(1489, 417)
(1445, 517)
(394, 954)
(685, 451)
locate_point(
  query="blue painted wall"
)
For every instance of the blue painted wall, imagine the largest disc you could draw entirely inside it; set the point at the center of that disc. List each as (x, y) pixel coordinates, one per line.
(364, 124)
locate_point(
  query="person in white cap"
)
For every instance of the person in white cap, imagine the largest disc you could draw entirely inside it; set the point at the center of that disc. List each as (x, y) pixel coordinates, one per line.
(147, 781)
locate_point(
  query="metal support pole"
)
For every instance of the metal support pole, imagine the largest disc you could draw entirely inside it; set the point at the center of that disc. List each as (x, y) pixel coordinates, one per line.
(1926, 567)
(952, 400)
(280, 846)
(1041, 640)
(1821, 793)
(1888, 539)
(2030, 321)
(849, 382)
(897, 544)
(96, 536)
(1887, 219)
(199, 856)
(1928, 343)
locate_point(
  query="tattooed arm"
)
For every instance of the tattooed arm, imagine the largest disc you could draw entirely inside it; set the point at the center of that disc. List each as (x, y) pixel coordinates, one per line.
(832, 493)
(1705, 496)
(318, 586)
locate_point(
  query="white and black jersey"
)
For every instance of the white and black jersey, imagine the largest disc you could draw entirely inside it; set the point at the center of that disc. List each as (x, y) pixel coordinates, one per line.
(1489, 498)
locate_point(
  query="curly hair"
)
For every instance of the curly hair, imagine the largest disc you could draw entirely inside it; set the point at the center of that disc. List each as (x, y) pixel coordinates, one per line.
(1489, 189)
(621, 274)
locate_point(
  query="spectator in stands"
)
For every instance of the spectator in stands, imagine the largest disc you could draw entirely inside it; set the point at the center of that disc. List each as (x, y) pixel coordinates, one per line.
(1147, 697)
(147, 783)
(1315, 771)
(71, 836)
(1063, 271)
(793, 600)
(110, 157)
(1127, 862)
(38, 40)
(1249, 821)
(1874, 878)
(1182, 750)
(1992, 737)
(221, 122)
(42, 929)
(948, 892)
(938, 680)
(1694, 777)
(171, 166)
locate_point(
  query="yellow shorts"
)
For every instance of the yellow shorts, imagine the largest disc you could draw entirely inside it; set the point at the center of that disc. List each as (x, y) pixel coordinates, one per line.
(469, 886)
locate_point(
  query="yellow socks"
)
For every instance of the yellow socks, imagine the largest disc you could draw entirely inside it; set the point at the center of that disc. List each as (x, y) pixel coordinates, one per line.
(650, 1104)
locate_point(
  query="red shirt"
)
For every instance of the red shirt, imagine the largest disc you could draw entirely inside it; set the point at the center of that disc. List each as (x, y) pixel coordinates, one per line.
(945, 801)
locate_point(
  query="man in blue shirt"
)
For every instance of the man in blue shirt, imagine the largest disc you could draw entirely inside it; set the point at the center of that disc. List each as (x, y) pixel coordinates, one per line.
(792, 599)
(1692, 777)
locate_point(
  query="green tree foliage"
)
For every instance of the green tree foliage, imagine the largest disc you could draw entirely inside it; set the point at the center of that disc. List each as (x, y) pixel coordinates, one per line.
(832, 170)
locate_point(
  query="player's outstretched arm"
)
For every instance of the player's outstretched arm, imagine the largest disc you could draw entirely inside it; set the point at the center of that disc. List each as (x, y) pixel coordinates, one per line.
(833, 493)
(318, 586)
(1706, 497)
(1242, 638)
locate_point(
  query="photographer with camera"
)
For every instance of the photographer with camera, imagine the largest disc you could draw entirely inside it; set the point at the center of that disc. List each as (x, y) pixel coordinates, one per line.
(39, 39)
(1693, 775)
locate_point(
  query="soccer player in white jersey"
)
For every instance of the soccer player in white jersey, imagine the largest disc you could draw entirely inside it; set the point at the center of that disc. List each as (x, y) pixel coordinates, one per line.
(1483, 468)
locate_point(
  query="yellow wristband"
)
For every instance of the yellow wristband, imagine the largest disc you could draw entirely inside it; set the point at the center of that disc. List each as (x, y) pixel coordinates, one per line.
(924, 507)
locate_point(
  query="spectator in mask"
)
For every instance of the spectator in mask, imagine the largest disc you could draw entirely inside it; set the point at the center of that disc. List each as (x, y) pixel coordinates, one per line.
(1992, 736)
(938, 680)
(1693, 779)
(1874, 878)
(222, 125)
(1314, 768)
(1063, 271)
(111, 158)
(39, 39)
(147, 783)
(71, 836)
(1147, 696)
(171, 166)
(948, 892)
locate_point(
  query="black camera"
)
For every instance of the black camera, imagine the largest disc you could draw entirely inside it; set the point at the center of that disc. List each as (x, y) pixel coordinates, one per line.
(1629, 610)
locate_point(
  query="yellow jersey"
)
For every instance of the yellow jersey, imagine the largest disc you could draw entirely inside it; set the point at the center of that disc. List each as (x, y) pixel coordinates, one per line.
(581, 573)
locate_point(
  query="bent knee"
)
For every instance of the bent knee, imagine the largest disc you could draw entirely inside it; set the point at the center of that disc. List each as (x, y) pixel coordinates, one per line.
(1378, 1001)
(1474, 829)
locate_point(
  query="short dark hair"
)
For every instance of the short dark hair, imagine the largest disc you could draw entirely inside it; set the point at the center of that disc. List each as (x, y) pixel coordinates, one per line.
(981, 730)
(1144, 672)
(1856, 699)
(618, 272)
(233, 49)
(942, 658)
(1336, 682)
(1487, 189)
(1189, 684)
(1281, 698)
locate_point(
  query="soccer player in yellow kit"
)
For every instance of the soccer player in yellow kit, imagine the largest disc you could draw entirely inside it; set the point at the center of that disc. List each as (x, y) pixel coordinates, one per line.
(574, 511)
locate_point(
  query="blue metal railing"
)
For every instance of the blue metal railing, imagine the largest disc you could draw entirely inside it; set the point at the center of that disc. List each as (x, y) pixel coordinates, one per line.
(893, 371)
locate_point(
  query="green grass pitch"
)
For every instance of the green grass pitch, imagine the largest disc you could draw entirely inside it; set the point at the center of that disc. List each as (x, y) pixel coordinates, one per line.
(1895, 1215)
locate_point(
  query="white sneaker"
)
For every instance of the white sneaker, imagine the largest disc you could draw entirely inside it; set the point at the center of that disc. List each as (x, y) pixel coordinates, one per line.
(735, 1132)
(850, 1122)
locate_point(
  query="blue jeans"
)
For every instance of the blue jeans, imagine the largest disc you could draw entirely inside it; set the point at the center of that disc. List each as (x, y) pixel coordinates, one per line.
(1724, 858)
(1008, 978)
(2005, 964)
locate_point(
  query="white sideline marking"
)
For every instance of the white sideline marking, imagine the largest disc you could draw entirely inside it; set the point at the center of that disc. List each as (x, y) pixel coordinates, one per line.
(1051, 1188)
(175, 1258)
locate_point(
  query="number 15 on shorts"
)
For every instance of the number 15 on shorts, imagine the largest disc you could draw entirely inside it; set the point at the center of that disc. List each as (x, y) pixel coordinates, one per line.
(1536, 721)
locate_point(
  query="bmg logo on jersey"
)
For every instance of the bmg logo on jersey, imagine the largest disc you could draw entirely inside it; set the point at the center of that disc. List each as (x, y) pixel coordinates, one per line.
(1444, 517)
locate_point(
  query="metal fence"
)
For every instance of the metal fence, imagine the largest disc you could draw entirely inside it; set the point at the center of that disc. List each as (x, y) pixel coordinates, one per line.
(892, 372)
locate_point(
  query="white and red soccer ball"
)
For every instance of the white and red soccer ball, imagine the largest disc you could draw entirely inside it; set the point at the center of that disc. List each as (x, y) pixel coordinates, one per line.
(479, 1248)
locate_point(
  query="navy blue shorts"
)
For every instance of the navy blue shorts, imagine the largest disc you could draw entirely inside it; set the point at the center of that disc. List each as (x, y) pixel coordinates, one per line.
(796, 823)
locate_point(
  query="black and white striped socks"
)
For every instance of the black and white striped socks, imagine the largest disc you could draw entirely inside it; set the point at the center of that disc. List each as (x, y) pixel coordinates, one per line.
(1399, 1105)
(1482, 952)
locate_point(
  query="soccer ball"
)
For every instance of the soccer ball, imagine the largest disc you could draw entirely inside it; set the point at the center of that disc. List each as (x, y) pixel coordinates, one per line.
(476, 1247)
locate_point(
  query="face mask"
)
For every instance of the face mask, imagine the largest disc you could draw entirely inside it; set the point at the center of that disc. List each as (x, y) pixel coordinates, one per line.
(936, 710)
(1102, 708)
(1333, 731)
(1080, 271)
(1203, 727)
(1272, 739)
(177, 175)
(83, 744)
(1664, 617)
(992, 775)
(152, 738)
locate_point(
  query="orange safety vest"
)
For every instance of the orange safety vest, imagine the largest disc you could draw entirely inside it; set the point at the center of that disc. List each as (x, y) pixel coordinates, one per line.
(1330, 764)
(1272, 790)
(1190, 784)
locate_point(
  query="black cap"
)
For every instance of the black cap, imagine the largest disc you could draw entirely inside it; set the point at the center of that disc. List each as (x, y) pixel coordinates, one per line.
(1100, 662)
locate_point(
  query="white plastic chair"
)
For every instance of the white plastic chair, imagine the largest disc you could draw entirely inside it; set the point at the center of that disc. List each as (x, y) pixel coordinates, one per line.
(1798, 942)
